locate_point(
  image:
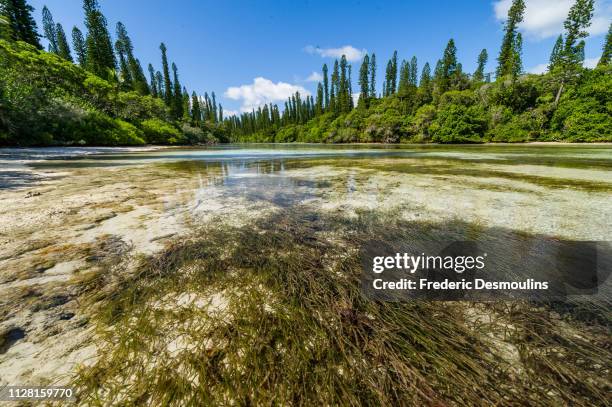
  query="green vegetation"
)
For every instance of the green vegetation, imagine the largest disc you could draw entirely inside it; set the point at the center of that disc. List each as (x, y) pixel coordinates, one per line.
(45, 98)
(102, 98)
(568, 103)
(281, 319)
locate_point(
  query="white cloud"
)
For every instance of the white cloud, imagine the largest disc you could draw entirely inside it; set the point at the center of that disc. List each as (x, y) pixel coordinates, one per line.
(228, 113)
(544, 18)
(352, 54)
(591, 62)
(542, 68)
(539, 69)
(314, 77)
(262, 91)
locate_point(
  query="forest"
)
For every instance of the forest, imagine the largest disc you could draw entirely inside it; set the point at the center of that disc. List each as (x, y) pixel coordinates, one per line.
(95, 92)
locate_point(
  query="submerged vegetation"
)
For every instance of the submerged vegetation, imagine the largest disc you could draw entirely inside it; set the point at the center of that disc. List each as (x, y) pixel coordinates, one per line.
(281, 319)
(98, 94)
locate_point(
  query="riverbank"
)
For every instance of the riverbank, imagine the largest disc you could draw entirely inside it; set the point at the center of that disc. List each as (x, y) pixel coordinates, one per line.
(202, 237)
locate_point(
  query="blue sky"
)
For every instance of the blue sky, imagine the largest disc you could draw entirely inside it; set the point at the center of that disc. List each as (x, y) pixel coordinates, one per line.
(252, 52)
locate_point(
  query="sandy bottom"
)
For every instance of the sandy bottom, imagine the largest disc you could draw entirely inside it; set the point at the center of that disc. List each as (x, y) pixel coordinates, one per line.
(72, 223)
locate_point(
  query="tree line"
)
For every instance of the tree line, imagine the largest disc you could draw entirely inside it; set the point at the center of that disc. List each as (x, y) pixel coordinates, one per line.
(446, 105)
(421, 98)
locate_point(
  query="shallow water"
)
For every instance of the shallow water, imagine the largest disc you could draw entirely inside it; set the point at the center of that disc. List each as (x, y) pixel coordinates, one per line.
(558, 190)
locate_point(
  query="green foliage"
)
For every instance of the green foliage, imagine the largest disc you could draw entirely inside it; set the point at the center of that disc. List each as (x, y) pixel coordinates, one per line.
(458, 123)
(45, 99)
(157, 131)
(509, 55)
(21, 24)
(585, 112)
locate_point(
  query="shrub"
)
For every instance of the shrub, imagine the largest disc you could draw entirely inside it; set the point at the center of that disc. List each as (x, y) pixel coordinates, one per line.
(159, 132)
(459, 124)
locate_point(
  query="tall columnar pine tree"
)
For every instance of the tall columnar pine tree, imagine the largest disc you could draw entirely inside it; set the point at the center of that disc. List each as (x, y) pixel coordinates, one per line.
(333, 93)
(394, 72)
(326, 87)
(555, 56)
(186, 105)
(124, 71)
(100, 56)
(21, 24)
(479, 74)
(517, 65)
(404, 79)
(350, 88)
(364, 76)
(196, 113)
(373, 76)
(343, 91)
(153, 82)
(139, 81)
(507, 54)
(425, 85)
(578, 20)
(413, 71)
(159, 80)
(49, 29)
(166, 73)
(448, 67)
(78, 44)
(177, 94)
(63, 49)
(570, 63)
(606, 56)
(320, 100)
(387, 83)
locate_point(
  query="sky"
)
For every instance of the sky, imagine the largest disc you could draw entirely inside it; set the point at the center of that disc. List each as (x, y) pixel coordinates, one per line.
(252, 52)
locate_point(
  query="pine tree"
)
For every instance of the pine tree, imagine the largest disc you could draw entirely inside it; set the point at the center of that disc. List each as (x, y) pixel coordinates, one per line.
(49, 29)
(100, 56)
(578, 20)
(153, 82)
(63, 50)
(138, 79)
(483, 58)
(517, 65)
(21, 24)
(196, 113)
(320, 99)
(387, 83)
(606, 56)
(413, 71)
(124, 70)
(570, 62)
(404, 81)
(555, 56)
(166, 70)
(334, 97)
(5, 28)
(343, 94)
(507, 53)
(425, 85)
(159, 79)
(364, 86)
(373, 76)
(394, 72)
(178, 96)
(326, 86)
(448, 66)
(351, 104)
(78, 44)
